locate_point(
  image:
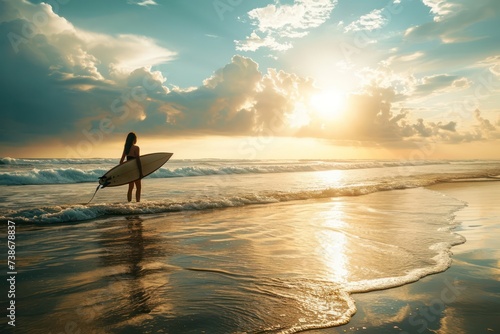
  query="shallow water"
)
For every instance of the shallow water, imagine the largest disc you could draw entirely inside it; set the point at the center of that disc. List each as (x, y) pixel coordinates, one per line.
(227, 184)
(282, 267)
(229, 253)
(463, 300)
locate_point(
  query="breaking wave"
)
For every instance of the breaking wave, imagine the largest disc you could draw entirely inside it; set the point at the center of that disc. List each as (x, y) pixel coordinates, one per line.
(50, 171)
(50, 176)
(80, 212)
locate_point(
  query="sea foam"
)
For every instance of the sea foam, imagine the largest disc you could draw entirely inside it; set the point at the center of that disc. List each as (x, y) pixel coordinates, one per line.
(50, 171)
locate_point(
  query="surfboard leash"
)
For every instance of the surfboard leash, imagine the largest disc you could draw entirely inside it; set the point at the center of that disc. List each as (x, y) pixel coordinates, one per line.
(98, 187)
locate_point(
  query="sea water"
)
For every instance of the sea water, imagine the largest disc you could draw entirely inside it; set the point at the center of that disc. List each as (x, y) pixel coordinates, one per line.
(224, 246)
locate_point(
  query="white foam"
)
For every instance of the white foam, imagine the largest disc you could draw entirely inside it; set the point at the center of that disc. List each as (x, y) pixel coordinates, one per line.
(50, 176)
(50, 171)
(35, 162)
(57, 214)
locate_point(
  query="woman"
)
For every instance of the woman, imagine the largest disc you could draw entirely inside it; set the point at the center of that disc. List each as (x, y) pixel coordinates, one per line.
(131, 151)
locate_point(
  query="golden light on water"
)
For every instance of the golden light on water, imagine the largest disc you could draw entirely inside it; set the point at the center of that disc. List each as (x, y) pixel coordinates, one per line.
(332, 244)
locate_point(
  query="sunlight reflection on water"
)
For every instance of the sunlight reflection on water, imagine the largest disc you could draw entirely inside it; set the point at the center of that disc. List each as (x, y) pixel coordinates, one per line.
(277, 267)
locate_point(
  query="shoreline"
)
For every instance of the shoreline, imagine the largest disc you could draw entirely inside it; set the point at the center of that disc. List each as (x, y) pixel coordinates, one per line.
(463, 299)
(154, 271)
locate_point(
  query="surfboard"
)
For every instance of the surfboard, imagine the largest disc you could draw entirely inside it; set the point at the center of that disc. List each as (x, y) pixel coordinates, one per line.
(129, 171)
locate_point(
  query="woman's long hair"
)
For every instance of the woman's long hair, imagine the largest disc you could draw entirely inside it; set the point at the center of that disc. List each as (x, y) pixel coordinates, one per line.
(131, 139)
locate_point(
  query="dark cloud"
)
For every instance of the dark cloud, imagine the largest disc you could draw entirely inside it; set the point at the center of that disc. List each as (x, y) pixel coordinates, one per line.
(32, 100)
(53, 85)
(450, 126)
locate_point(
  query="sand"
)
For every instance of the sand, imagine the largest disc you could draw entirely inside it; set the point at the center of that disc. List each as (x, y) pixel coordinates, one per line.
(463, 299)
(123, 274)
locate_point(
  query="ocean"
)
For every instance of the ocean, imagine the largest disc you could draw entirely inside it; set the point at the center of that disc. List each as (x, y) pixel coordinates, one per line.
(224, 246)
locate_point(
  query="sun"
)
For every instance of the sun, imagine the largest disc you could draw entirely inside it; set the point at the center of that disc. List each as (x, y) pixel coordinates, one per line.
(328, 104)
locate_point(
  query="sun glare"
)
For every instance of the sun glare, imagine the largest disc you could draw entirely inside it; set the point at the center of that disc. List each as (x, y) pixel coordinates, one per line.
(328, 104)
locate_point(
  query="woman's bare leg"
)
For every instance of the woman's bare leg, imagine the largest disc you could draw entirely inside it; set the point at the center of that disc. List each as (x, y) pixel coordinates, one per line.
(129, 193)
(138, 190)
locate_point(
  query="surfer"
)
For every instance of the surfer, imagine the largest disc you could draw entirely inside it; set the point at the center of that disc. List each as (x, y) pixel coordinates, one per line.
(131, 151)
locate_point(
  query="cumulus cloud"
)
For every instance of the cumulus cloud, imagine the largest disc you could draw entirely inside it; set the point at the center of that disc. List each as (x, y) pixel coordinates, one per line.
(278, 24)
(237, 99)
(72, 80)
(483, 128)
(98, 54)
(370, 117)
(61, 77)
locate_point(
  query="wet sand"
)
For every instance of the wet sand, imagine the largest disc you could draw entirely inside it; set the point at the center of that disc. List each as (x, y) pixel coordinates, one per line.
(244, 269)
(465, 298)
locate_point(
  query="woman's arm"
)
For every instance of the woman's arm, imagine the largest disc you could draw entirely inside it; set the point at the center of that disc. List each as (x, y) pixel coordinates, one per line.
(123, 158)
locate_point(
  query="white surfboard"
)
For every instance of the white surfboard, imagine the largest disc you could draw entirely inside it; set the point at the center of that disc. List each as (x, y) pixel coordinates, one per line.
(129, 171)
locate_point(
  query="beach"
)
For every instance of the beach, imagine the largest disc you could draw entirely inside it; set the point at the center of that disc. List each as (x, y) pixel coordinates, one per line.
(256, 247)
(250, 167)
(463, 299)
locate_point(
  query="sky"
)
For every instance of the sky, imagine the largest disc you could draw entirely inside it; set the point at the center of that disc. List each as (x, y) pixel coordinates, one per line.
(305, 79)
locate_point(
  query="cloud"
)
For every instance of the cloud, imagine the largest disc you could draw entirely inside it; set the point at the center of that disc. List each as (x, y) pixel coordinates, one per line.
(454, 43)
(236, 100)
(452, 20)
(144, 3)
(223, 104)
(493, 64)
(63, 82)
(408, 88)
(255, 42)
(61, 78)
(440, 8)
(371, 21)
(440, 83)
(483, 128)
(370, 118)
(384, 76)
(437, 131)
(278, 24)
(96, 54)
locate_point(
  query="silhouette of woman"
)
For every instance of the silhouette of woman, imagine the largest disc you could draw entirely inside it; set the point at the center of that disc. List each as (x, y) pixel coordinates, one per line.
(131, 151)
